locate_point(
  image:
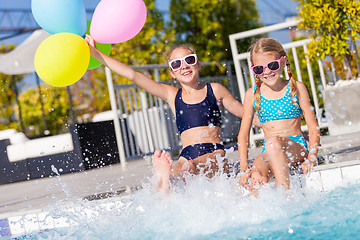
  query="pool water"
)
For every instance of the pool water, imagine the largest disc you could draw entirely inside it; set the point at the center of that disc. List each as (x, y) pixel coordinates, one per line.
(217, 209)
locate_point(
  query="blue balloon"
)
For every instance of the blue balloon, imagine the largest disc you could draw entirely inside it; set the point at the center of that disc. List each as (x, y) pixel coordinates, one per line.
(56, 16)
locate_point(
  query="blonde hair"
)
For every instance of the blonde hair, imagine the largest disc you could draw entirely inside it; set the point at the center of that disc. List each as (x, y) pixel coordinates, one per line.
(182, 45)
(263, 45)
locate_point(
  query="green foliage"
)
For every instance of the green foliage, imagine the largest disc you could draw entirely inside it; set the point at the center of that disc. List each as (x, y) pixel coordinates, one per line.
(90, 94)
(56, 108)
(304, 72)
(339, 67)
(207, 24)
(149, 46)
(8, 118)
(7, 103)
(332, 23)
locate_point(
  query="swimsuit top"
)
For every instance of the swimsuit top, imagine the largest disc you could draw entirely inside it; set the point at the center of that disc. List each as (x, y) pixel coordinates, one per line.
(282, 108)
(204, 113)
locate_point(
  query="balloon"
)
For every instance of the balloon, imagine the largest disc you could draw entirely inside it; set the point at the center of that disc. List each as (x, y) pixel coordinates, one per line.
(102, 47)
(56, 16)
(116, 21)
(62, 59)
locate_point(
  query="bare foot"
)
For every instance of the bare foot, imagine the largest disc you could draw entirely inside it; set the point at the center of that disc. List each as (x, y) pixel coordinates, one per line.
(256, 182)
(162, 165)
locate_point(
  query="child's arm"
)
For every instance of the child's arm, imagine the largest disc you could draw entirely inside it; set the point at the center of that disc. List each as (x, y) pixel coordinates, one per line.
(230, 103)
(227, 100)
(244, 135)
(314, 130)
(157, 89)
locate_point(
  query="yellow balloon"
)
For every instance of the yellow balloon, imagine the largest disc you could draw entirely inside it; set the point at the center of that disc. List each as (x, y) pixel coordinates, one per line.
(62, 59)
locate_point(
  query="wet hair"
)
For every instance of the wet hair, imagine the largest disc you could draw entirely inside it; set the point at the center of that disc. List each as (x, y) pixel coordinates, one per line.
(264, 45)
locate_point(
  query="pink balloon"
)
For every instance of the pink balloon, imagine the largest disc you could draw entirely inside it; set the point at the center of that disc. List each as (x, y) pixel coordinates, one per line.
(116, 21)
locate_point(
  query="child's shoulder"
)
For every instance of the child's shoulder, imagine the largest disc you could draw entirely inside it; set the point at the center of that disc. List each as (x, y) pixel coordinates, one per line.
(216, 85)
(300, 85)
(250, 92)
(218, 88)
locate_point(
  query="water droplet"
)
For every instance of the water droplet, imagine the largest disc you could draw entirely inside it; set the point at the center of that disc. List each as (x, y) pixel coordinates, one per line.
(349, 123)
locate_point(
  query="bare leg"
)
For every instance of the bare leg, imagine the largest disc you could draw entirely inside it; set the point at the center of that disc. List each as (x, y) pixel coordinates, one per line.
(188, 166)
(162, 166)
(260, 173)
(282, 154)
(278, 161)
(199, 165)
(210, 167)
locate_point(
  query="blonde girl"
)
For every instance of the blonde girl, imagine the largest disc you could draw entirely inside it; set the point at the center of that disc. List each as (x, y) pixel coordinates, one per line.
(279, 104)
(195, 105)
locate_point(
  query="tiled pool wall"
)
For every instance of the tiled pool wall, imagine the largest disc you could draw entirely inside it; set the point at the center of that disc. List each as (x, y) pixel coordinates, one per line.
(328, 177)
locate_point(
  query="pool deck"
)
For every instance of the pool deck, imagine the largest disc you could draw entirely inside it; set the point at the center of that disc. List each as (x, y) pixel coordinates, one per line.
(340, 154)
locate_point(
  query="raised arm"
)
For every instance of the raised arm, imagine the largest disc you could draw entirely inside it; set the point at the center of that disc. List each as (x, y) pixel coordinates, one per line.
(160, 90)
(314, 130)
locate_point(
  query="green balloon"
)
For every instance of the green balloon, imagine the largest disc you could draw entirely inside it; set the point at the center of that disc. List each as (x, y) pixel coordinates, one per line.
(102, 47)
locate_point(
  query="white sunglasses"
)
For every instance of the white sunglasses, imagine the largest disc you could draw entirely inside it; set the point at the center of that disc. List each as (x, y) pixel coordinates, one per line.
(190, 60)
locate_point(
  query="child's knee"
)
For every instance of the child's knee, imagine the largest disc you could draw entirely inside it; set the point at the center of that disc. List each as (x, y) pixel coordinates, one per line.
(273, 145)
(256, 178)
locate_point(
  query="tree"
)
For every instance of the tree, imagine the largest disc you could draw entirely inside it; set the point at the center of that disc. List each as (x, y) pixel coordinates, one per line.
(335, 28)
(56, 108)
(304, 72)
(207, 24)
(8, 97)
(149, 46)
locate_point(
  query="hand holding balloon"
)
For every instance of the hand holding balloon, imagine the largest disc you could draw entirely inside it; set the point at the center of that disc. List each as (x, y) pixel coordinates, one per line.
(95, 53)
(91, 42)
(102, 47)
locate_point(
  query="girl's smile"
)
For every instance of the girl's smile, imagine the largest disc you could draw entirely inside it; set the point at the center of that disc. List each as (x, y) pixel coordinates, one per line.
(187, 72)
(263, 59)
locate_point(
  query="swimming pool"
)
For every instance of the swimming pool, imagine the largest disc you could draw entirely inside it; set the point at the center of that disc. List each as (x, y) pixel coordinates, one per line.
(214, 209)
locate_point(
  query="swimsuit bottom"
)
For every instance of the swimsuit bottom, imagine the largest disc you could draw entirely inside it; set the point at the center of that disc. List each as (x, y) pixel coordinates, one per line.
(299, 139)
(194, 151)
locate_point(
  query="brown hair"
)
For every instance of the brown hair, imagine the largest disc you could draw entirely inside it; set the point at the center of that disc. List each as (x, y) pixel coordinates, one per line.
(263, 45)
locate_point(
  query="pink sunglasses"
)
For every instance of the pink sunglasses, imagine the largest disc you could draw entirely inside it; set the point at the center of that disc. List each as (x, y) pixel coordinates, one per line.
(272, 66)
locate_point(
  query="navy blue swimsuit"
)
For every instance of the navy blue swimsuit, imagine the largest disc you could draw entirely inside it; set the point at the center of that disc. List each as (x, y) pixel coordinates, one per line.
(204, 113)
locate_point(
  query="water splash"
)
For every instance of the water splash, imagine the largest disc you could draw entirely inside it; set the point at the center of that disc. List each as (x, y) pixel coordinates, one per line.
(215, 208)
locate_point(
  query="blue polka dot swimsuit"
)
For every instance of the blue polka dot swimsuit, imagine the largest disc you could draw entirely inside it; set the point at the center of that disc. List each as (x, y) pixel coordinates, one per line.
(282, 108)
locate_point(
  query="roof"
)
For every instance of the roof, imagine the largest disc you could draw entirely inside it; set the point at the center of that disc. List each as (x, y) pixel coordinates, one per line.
(21, 59)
